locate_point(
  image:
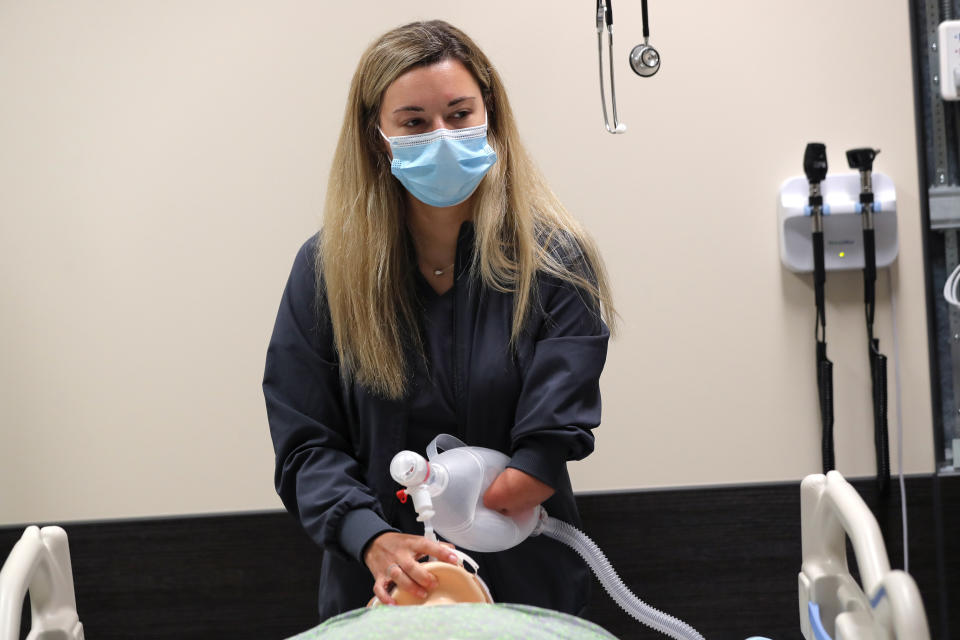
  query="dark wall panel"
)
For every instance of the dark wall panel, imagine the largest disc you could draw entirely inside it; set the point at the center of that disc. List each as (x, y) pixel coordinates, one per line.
(237, 576)
(724, 559)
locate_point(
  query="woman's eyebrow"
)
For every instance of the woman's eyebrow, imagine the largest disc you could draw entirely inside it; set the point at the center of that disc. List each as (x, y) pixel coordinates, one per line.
(449, 104)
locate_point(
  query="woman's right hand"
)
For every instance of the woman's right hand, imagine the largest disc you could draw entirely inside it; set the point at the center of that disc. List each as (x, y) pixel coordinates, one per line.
(393, 558)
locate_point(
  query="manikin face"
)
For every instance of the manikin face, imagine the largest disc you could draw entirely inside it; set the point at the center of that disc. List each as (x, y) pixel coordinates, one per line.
(454, 584)
(441, 96)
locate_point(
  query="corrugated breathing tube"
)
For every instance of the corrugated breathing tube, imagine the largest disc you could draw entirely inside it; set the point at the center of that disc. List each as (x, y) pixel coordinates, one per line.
(621, 594)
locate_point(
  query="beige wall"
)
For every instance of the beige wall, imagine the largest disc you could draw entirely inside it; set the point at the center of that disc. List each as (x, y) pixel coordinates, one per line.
(161, 162)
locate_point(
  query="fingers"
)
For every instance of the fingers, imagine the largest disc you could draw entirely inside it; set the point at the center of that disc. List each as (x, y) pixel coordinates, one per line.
(437, 550)
(380, 590)
(400, 553)
(413, 578)
(396, 575)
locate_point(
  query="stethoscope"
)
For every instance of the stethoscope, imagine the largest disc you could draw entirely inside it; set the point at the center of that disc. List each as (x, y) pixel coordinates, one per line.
(644, 59)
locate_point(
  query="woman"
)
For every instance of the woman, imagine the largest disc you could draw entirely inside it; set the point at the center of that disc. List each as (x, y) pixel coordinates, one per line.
(449, 292)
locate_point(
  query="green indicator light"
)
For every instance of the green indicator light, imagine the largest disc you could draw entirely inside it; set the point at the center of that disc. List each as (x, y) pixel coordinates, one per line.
(843, 254)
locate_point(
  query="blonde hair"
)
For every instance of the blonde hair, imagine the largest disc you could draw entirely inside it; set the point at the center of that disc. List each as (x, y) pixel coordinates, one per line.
(365, 258)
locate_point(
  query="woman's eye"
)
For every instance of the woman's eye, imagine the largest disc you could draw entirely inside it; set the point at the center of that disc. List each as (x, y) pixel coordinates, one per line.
(460, 115)
(410, 124)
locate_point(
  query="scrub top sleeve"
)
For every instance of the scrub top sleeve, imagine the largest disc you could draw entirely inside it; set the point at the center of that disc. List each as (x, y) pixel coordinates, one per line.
(560, 400)
(317, 476)
(358, 530)
(542, 458)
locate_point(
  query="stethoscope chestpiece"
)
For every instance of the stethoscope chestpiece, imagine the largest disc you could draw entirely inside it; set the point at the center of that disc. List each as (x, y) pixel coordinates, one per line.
(644, 60)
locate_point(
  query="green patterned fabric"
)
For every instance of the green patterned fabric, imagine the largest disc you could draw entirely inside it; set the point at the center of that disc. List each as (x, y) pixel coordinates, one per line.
(456, 622)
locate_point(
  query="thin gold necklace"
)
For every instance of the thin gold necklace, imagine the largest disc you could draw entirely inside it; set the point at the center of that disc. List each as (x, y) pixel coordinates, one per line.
(440, 272)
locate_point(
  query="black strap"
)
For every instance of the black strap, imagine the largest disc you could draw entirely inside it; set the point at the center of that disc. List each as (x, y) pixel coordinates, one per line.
(824, 365)
(825, 393)
(878, 372)
(878, 366)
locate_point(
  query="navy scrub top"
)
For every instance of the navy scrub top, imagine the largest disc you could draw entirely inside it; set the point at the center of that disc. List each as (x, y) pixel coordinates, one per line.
(431, 404)
(334, 439)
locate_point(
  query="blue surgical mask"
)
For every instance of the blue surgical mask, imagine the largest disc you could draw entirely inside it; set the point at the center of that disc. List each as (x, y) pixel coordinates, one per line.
(442, 168)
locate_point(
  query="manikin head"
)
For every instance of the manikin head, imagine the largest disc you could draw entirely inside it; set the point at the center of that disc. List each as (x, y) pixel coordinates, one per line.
(454, 585)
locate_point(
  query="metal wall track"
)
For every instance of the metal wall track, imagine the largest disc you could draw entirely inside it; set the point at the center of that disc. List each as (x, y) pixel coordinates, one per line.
(937, 128)
(940, 127)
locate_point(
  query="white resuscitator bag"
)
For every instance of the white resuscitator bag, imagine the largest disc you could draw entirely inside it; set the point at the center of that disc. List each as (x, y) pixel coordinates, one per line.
(447, 490)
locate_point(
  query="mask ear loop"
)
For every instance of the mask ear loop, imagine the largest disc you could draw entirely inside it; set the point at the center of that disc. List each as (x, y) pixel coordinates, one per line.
(388, 151)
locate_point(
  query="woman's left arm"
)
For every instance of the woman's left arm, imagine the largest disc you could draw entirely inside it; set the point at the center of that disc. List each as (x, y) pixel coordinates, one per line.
(560, 400)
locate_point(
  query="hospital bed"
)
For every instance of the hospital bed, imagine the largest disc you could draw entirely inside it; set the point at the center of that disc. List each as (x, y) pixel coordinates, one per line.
(884, 605)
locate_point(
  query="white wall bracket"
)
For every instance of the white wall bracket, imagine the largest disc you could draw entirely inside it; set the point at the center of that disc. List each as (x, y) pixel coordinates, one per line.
(842, 224)
(948, 44)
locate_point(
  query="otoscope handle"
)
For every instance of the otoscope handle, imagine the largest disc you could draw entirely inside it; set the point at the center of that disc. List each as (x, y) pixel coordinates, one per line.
(819, 273)
(870, 266)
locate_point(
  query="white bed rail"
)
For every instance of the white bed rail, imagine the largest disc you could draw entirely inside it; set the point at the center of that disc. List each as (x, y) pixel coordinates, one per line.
(39, 564)
(832, 605)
